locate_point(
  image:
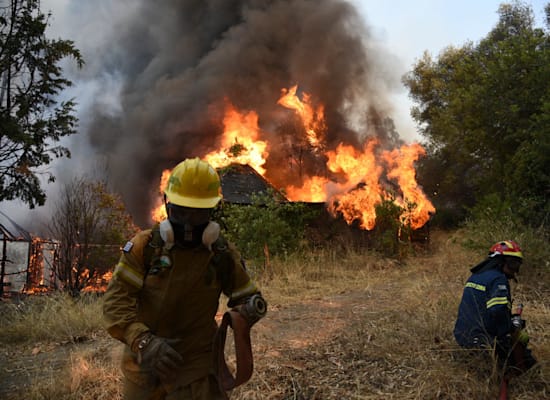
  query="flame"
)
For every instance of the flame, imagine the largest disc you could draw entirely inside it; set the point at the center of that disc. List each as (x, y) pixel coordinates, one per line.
(357, 189)
(97, 283)
(401, 163)
(159, 212)
(312, 120)
(240, 143)
(360, 192)
(354, 180)
(313, 190)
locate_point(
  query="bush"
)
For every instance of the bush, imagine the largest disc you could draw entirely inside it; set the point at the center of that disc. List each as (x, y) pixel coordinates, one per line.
(277, 225)
(392, 232)
(494, 219)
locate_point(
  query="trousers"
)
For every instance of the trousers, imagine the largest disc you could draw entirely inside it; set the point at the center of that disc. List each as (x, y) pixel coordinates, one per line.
(206, 388)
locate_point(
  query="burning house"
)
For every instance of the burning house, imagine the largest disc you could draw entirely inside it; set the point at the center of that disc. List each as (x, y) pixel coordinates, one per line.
(27, 263)
(240, 182)
(297, 90)
(350, 181)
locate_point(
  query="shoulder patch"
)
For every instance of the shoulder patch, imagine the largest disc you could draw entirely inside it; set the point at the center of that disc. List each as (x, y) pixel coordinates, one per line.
(127, 247)
(502, 287)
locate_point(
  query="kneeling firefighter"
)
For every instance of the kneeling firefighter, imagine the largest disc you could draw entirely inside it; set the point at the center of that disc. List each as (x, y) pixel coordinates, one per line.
(164, 295)
(485, 318)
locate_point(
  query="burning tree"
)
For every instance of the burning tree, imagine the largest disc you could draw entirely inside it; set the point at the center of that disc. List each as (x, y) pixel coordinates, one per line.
(90, 223)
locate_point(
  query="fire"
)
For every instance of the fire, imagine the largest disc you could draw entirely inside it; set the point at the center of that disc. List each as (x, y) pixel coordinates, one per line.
(159, 212)
(312, 120)
(360, 192)
(240, 142)
(401, 164)
(357, 188)
(353, 181)
(97, 283)
(313, 190)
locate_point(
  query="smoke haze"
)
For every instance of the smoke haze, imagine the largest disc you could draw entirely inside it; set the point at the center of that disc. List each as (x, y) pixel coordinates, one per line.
(159, 74)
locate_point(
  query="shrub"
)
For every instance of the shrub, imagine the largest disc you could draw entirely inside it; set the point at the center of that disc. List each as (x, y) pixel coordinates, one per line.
(267, 222)
(494, 219)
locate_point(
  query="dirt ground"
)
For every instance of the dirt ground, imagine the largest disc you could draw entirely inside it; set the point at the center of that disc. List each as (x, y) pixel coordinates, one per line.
(384, 339)
(295, 326)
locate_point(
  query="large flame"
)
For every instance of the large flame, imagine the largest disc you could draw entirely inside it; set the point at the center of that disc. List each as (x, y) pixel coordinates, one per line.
(414, 201)
(312, 120)
(240, 142)
(360, 191)
(354, 181)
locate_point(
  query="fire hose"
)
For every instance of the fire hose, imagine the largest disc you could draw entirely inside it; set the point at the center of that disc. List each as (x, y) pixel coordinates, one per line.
(517, 353)
(240, 320)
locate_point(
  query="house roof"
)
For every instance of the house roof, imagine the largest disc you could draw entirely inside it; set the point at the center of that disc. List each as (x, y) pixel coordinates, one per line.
(11, 230)
(240, 182)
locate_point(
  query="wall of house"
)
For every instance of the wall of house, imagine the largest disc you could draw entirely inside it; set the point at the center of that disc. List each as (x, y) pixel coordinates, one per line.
(17, 261)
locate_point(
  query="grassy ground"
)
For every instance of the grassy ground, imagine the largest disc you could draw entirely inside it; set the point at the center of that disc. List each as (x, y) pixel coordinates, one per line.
(340, 326)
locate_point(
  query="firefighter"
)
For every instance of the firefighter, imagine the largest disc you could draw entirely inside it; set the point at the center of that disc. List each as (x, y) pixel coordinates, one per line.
(165, 290)
(485, 318)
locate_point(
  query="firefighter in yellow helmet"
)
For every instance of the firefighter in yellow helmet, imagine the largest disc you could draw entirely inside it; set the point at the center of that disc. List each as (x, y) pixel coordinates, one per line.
(164, 294)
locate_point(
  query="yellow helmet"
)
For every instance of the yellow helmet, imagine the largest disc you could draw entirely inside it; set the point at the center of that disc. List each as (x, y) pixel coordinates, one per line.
(194, 183)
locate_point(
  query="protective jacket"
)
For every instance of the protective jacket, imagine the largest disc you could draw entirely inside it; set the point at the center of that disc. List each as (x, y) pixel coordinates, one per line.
(173, 293)
(484, 313)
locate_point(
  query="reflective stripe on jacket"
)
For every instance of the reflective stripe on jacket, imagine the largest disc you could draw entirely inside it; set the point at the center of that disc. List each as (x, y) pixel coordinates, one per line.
(484, 311)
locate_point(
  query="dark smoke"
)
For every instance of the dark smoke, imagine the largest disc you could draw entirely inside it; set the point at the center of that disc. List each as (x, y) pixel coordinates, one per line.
(181, 60)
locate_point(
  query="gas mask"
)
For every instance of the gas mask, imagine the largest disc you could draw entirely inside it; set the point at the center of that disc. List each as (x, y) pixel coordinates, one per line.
(188, 223)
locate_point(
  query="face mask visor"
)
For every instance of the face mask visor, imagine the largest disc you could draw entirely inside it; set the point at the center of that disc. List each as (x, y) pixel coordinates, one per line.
(179, 215)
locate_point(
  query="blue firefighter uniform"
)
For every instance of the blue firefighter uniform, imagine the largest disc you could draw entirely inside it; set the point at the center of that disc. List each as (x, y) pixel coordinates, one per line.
(484, 313)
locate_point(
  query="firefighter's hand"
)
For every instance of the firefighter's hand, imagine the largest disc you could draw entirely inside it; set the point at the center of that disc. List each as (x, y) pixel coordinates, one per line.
(157, 353)
(523, 337)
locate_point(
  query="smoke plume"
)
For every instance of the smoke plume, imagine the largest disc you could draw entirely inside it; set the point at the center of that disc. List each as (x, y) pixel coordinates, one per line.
(161, 73)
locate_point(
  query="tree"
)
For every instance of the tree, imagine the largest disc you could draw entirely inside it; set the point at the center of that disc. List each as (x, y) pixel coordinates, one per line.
(482, 109)
(90, 223)
(32, 121)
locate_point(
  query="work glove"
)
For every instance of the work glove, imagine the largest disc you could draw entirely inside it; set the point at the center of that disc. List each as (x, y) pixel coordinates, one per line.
(158, 354)
(523, 337)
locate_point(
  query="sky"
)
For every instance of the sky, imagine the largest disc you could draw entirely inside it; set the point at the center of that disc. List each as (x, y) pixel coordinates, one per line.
(402, 28)
(408, 28)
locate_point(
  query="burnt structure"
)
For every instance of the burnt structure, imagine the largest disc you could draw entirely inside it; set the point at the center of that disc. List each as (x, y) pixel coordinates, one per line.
(241, 182)
(27, 263)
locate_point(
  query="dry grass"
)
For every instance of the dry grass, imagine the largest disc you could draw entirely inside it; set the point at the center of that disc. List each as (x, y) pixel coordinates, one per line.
(53, 317)
(340, 326)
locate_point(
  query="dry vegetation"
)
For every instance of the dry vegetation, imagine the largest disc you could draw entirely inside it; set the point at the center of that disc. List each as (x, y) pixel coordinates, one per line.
(340, 326)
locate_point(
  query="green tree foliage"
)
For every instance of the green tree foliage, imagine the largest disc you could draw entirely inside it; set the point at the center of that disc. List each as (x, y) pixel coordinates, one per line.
(90, 223)
(387, 231)
(266, 223)
(32, 121)
(484, 110)
(493, 220)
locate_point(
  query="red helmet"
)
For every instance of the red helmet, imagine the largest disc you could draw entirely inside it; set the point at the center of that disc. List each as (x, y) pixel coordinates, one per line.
(506, 248)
